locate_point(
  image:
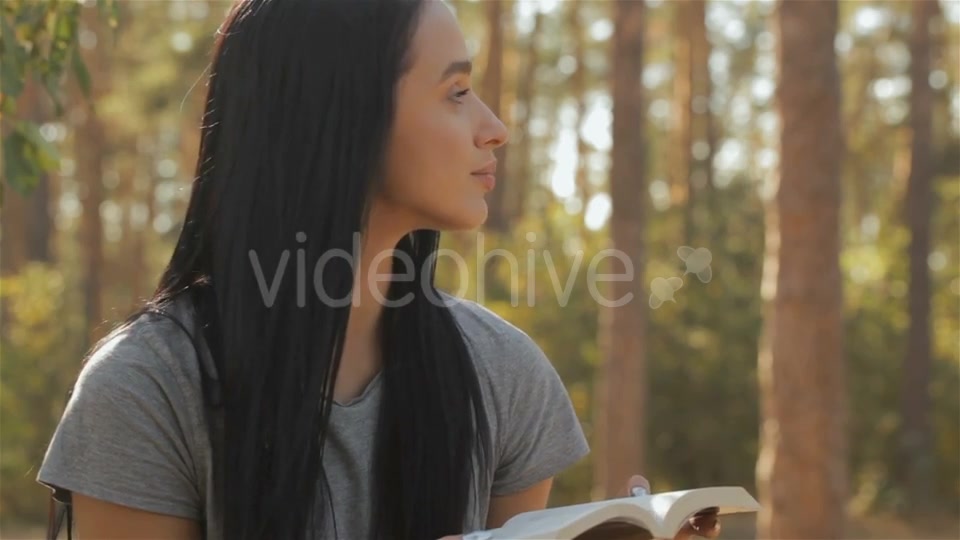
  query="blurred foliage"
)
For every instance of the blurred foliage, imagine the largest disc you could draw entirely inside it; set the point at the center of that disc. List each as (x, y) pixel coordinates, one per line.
(39, 40)
(702, 412)
(39, 342)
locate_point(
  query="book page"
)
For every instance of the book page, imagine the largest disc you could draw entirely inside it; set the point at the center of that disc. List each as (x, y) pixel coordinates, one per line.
(615, 530)
(675, 508)
(660, 515)
(567, 522)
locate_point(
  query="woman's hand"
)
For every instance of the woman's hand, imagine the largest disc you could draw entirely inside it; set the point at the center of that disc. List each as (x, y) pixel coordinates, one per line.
(705, 524)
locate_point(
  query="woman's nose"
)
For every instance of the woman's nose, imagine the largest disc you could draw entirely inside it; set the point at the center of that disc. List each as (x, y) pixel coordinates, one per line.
(492, 133)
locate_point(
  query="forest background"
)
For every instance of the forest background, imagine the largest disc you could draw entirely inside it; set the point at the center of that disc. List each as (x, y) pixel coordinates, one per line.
(811, 148)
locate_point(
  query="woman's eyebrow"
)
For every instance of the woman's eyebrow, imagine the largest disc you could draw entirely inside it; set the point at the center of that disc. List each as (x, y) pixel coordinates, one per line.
(459, 66)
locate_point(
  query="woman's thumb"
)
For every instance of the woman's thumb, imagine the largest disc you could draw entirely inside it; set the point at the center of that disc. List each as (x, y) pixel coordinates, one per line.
(636, 481)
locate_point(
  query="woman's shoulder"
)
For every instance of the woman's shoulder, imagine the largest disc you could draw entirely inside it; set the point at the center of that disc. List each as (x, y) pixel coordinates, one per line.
(479, 317)
(537, 430)
(499, 346)
(148, 348)
(134, 413)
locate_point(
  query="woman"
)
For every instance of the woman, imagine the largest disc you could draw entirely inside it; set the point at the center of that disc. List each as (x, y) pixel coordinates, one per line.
(296, 374)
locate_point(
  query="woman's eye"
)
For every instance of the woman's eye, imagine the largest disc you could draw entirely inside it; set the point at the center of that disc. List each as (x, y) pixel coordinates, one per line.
(456, 97)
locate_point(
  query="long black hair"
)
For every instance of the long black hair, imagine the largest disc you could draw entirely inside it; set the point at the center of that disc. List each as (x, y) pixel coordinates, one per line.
(300, 106)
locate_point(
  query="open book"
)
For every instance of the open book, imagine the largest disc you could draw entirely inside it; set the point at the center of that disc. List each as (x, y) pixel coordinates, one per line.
(658, 515)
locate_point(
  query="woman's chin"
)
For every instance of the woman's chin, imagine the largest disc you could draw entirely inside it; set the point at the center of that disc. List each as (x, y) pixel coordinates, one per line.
(466, 218)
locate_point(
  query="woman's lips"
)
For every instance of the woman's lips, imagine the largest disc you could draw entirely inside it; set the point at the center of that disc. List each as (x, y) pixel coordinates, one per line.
(488, 181)
(487, 175)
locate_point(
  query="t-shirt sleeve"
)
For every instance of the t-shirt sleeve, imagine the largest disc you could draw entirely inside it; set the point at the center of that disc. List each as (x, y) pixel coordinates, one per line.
(121, 439)
(540, 433)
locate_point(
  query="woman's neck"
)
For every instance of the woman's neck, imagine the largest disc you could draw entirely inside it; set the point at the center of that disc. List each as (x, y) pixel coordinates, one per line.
(362, 355)
(371, 284)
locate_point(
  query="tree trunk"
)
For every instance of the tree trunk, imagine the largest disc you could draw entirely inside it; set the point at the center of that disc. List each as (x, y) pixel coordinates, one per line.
(13, 222)
(90, 145)
(622, 328)
(145, 193)
(126, 270)
(519, 187)
(40, 225)
(492, 84)
(578, 90)
(802, 474)
(143, 285)
(915, 443)
(692, 122)
(40, 221)
(26, 221)
(701, 118)
(682, 104)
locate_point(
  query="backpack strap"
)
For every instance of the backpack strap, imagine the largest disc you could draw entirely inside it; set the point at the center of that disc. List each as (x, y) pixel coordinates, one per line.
(60, 508)
(58, 512)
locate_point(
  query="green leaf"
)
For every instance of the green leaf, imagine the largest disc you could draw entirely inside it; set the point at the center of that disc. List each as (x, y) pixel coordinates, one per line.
(64, 38)
(46, 156)
(80, 70)
(8, 106)
(21, 174)
(12, 68)
(110, 9)
(36, 12)
(27, 155)
(52, 83)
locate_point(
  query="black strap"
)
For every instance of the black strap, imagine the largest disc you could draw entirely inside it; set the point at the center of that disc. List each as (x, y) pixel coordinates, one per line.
(60, 510)
(57, 512)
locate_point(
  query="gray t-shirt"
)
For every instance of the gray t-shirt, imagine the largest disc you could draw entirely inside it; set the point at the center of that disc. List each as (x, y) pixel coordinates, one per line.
(133, 432)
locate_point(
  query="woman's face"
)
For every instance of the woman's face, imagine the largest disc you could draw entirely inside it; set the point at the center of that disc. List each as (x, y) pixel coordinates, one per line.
(442, 135)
